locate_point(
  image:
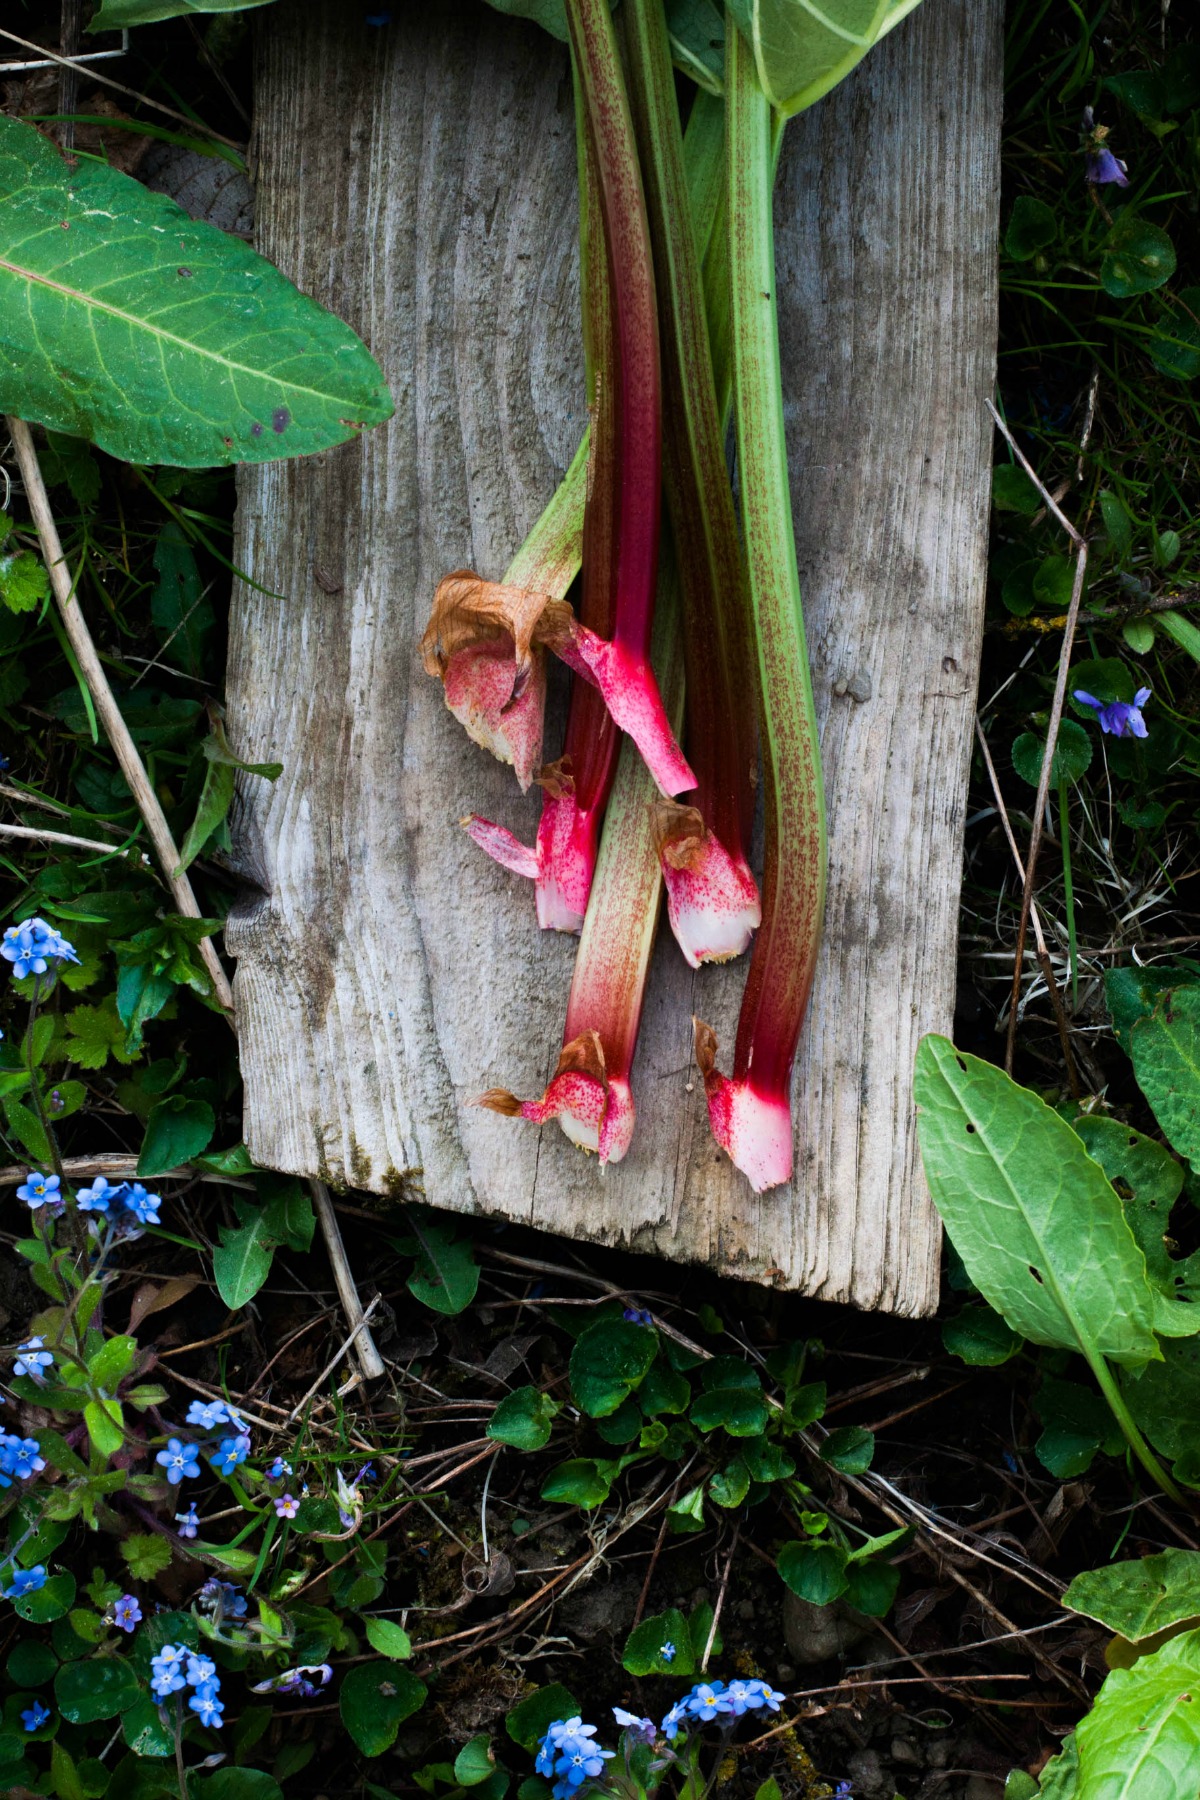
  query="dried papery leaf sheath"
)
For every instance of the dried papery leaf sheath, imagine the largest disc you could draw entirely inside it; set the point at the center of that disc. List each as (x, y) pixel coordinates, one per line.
(712, 898)
(750, 1113)
(590, 1092)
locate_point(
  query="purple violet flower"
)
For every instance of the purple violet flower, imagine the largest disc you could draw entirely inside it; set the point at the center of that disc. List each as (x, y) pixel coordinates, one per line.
(1101, 167)
(1120, 718)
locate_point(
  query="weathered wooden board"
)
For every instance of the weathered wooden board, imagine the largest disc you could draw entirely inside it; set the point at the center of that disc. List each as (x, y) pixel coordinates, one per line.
(421, 180)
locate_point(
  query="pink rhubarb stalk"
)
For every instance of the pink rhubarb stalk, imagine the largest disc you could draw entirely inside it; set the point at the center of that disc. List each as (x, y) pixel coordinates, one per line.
(590, 1093)
(712, 898)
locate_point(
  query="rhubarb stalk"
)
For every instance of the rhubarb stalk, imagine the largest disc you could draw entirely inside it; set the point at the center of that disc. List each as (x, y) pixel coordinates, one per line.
(750, 1113)
(712, 898)
(590, 1093)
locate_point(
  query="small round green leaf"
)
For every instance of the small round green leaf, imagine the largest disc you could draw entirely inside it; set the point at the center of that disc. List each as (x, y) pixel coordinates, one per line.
(375, 1700)
(52, 1600)
(1138, 257)
(1072, 755)
(579, 1481)
(816, 1571)
(741, 1411)
(1012, 490)
(98, 1687)
(980, 1337)
(611, 1358)
(644, 1647)
(524, 1419)
(388, 1638)
(31, 1664)
(850, 1449)
(1139, 635)
(871, 1587)
(1032, 227)
(531, 1718)
(475, 1762)
(239, 1784)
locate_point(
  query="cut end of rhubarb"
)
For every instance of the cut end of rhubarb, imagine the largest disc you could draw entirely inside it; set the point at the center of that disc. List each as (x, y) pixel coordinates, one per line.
(594, 1113)
(712, 898)
(479, 685)
(755, 1128)
(502, 846)
(566, 852)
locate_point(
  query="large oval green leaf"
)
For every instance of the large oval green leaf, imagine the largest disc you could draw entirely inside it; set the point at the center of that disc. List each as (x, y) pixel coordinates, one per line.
(802, 48)
(1141, 1598)
(1041, 1232)
(1166, 1060)
(162, 340)
(1142, 1737)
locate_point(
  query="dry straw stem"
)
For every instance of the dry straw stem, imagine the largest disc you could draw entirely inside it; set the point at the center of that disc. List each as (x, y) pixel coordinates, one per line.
(115, 727)
(1056, 712)
(66, 837)
(367, 1356)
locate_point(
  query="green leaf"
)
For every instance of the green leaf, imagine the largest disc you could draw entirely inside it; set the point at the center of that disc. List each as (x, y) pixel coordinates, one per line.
(1137, 258)
(871, 1587)
(1060, 1777)
(610, 1360)
(816, 1570)
(1175, 347)
(741, 1411)
(53, 1600)
(643, 1652)
(1020, 1786)
(524, 1419)
(182, 616)
(1182, 630)
(1054, 582)
(113, 15)
(581, 1480)
(1148, 1180)
(94, 1034)
(388, 1638)
(800, 49)
(147, 1555)
(216, 796)
(475, 1762)
(98, 1687)
(1139, 1599)
(1142, 1736)
(531, 1718)
(1117, 523)
(1032, 227)
(105, 1427)
(696, 29)
(1165, 1048)
(375, 1700)
(664, 1390)
(1139, 635)
(31, 1664)
(176, 1130)
(1012, 490)
(112, 1362)
(730, 1485)
(24, 583)
(1132, 994)
(236, 1784)
(1077, 1425)
(1040, 1231)
(242, 1260)
(160, 339)
(1164, 1398)
(446, 1276)
(849, 1448)
(980, 1337)
(1072, 755)
(1105, 678)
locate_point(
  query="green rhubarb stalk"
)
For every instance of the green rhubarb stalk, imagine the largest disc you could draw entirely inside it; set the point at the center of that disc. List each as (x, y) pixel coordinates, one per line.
(751, 1113)
(712, 896)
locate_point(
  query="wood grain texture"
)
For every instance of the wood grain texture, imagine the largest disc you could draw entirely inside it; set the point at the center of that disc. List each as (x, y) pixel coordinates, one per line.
(421, 181)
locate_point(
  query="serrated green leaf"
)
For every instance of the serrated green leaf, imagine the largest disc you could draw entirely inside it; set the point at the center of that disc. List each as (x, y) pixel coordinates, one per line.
(24, 583)
(1039, 1229)
(1141, 1598)
(147, 1555)
(94, 1033)
(162, 340)
(1142, 1736)
(1165, 1048)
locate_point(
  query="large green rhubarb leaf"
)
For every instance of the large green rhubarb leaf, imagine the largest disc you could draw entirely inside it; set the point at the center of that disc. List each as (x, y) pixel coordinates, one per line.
(160, 339)
(802, 48)
(1041, 1232)
(113, 15)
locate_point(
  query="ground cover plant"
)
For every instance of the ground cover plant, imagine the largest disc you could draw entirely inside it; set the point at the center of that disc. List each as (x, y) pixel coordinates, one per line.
(593, 1530)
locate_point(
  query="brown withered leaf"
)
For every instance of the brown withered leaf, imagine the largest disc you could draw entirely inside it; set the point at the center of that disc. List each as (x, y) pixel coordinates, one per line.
(556, 779)
(679, 833)
(584, 1055)
(468, 610)
(152, 1296)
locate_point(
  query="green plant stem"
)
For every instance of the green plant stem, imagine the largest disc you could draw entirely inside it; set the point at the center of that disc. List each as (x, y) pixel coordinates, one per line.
(1133, 1436)
(785, 950)
(1064, 833)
